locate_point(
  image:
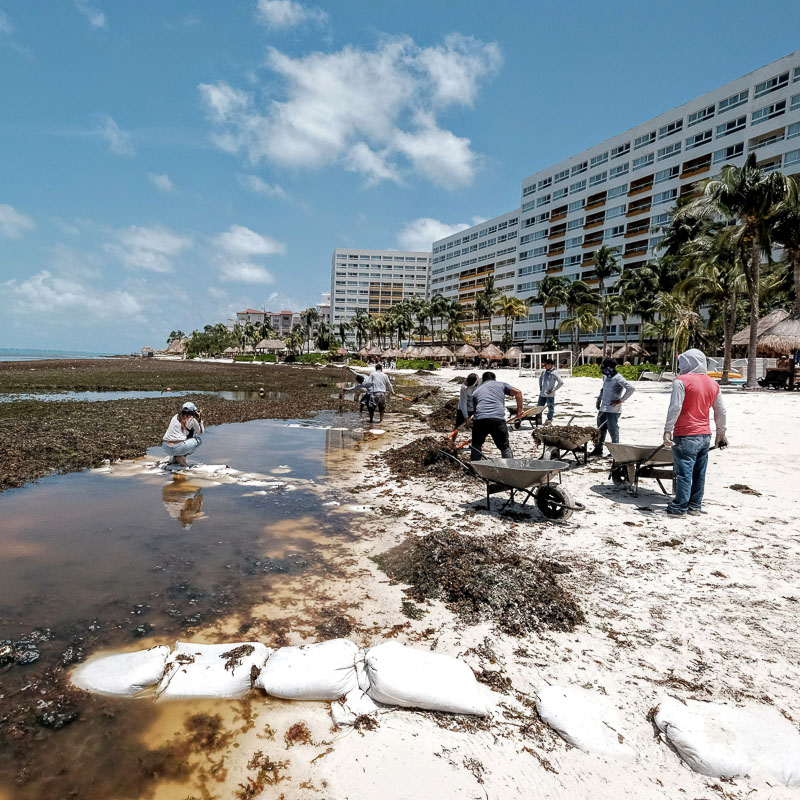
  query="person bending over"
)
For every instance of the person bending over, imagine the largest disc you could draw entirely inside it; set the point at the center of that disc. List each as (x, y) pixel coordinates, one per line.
(688, 430)
(183, 434)
(613, 393)
(549, 383)
(378, 384)
(466, 404)
(489, 418)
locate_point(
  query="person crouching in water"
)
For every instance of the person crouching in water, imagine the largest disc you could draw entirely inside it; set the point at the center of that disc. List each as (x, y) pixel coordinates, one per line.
(466, 404)
(183, 434)
(688, 430)
(614, 392)
(489, 418)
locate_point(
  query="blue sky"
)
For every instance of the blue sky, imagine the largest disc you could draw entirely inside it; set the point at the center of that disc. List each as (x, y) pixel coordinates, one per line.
(166, 164)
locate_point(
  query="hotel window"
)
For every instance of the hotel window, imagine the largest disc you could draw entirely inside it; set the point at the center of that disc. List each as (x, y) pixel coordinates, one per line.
(792, 157)
(615, 232)
(617, 191)
(578, 186)
(559, 193)
(733, 101)
(528, 205)
(620, 150)
(668, 130)
(572, 261)
(576, 205)
(617, 211)
(700, 116)
(578, 168)
(765, 87)
(539, 251)
(727, 153)
(796, 76)
(768, 112)
(620, 169)
(575, 223)
(599, 159)
(794, 103)
(669, 150)
(643, 161)
(561, 176)
(644, 140)
(698, 139)
(526, 190)
(600, 177)
(731, 126)
(793, 130)
(543, 234)
(543, 217)
(544, 183)
(575, 241)
(543, 200)
(664, 197)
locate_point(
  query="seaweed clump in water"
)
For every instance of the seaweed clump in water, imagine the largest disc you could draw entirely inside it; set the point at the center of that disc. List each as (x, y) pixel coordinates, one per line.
(423, 455)
(483, 578)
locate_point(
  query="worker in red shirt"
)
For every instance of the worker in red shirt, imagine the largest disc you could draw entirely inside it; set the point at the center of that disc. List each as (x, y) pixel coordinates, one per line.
(688, 430)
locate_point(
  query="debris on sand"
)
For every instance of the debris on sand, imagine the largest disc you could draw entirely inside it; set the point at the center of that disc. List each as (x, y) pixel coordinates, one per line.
(483, 578)
(570, 437)
(744, 489)
(458, 379)
(426, 394)
(444, 417)
(423, 456)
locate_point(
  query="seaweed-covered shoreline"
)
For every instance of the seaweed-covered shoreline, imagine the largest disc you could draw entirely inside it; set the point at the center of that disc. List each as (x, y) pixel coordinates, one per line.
(38, 437)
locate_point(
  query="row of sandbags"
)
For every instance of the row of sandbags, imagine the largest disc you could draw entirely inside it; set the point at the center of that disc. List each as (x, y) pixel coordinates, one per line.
(389, 673)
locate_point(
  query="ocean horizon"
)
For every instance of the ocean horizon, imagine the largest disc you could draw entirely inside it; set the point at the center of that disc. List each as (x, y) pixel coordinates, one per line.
(32, 354)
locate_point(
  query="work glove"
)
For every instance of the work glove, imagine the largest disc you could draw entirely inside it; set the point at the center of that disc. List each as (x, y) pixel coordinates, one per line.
(668, 440)
(722, 441)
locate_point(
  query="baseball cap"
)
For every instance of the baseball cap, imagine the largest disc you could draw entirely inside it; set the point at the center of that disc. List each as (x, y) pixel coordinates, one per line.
(189, 407)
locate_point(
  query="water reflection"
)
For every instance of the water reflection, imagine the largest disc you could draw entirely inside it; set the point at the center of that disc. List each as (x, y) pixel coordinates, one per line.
(183, 501)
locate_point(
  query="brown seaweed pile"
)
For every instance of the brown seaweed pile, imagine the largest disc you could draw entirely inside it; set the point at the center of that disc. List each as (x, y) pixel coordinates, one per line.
(444, 417)
(424, 457)
(570, 437)
(483, 578)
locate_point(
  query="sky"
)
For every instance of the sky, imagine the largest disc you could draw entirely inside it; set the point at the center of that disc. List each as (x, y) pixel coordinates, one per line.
(164, 165)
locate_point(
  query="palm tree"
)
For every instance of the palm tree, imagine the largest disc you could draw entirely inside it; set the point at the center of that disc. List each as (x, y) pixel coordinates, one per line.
(422, 313)
(484, 303)
(510, 307)
(360, 324)
(438, 309)
(579, 295)
(265, 330)
(344, 329)
(402, 319)
(296, 339)
(455, 321)
(680, 322)
(747, 196)
(322, 338)
(310, 317)
(606, 265)
(583, 318)
(608, 308)
(786, 233)
(175, 335)
(552, 292)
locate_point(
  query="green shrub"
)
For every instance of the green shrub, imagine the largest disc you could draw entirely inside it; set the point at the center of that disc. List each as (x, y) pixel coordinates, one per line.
(630, 373)
(416, 363)
(266, 358)
(357, 362)
(243, 358)
(586, 371)
(311, 358)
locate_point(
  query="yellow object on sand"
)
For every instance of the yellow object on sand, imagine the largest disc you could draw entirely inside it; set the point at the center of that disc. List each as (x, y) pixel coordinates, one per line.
(719, 375)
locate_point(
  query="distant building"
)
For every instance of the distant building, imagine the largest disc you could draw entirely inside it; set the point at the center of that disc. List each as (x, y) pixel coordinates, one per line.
(250, 315)
(283, 321)
(324, 308)
(374, 280)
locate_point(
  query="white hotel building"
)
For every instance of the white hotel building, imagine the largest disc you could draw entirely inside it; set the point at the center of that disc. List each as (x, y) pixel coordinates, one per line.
(375, 280)
(617, 192)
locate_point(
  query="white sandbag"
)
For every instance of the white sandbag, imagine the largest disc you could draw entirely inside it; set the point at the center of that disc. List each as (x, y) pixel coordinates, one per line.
(721, 740)
(212, 670)
(124, 674)
(406, 676)
(324, 671)
(585, 719)
(357, 704)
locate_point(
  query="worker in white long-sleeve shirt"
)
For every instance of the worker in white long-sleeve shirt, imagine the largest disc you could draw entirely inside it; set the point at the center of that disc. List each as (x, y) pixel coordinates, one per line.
(378, 384)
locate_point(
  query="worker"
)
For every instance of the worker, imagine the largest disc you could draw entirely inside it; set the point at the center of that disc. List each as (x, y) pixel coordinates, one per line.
(182, 437)
(549, 383)
(489, 418)
(378, 384)
(688, 430)
(613, 393)
(466, 404)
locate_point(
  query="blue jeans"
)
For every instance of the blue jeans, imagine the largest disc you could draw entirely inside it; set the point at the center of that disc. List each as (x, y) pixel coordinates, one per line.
(690, 459)
(550, 402)
(611, 426)
(183, 448)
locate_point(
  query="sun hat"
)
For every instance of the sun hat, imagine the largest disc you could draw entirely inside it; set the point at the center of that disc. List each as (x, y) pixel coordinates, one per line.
(189, 407)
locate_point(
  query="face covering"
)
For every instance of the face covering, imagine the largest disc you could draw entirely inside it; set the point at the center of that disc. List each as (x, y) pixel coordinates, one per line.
(609, 371)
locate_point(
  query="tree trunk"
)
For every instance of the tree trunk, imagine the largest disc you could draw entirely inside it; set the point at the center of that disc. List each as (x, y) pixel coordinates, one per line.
(605, 334)
(729, 320)
(796, 277)
(625, 335)
(755, 292)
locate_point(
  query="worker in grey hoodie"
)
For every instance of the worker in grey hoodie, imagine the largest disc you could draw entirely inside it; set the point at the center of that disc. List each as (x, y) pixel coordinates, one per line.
(613, 393)
(549, 383)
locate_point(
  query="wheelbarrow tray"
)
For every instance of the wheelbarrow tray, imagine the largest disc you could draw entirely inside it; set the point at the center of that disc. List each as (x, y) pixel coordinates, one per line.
(639, 454)
(517, 473)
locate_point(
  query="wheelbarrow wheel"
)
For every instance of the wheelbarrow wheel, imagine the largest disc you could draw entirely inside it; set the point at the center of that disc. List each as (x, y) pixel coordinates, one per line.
(619, 475)
(554, 454)
(551, 501)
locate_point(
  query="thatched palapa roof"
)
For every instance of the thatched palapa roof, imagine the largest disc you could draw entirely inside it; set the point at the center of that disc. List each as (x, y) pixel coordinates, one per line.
(634, 350)
(491, 352)
(427, 352)
(444, 352)
(783, 337)
(765, 325)
(513, 352)
(271, 344)
(466, 351)
(591, 351)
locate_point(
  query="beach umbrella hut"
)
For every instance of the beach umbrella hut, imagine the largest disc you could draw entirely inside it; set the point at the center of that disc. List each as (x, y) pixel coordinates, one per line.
(427, 352)
(229, 351)
(513, 354)
(633, 350)
(783, 336)
(444, 353)
(411, 352)
(341, 351)
(388, 353)
(363, 353)
(491, 353)
(374, 351)
(765, 326)
(466, 351)
(271, 346)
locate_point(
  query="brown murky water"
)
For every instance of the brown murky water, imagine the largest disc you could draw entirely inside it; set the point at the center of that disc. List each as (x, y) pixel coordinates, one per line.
(95, 561)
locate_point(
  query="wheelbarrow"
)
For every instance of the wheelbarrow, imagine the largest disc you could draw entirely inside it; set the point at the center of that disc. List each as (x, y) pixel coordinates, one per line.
(555, 445)
(633, 461)
(529, 476)
(533, 415)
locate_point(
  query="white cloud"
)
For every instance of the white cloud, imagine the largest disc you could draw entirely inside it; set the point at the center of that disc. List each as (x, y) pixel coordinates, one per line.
(259, 186)
(419, 234)
(6, 28)
(242, 242)
(97, 19)
(13, 223)
(277, 14)
(117, 140)
(151, 248)
(245, 272)
(161, 181)
(371, 111)
(57, 296)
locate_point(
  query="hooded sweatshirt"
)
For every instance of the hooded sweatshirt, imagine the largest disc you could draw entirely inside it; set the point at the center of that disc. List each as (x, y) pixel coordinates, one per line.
(694, 394)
